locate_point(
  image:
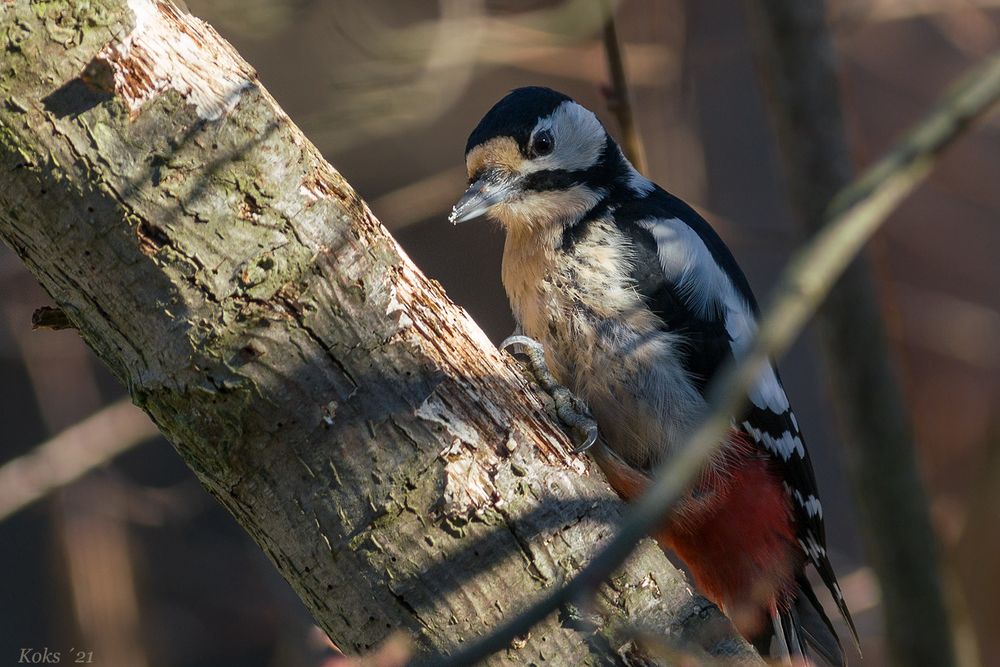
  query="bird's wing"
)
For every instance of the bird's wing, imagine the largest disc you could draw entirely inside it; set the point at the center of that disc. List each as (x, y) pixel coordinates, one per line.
(689, 278)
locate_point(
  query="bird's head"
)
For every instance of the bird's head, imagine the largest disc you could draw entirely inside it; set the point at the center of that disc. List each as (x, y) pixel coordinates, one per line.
(537, 158)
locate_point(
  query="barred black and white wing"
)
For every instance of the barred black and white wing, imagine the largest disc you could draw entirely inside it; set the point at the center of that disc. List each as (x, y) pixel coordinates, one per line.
(689, 278)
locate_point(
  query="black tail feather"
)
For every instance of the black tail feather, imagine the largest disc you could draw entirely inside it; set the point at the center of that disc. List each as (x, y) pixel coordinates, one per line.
(804, 630)
(830, 579)
(816, 627)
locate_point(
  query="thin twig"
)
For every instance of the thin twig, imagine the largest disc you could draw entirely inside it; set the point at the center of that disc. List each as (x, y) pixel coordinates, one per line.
(619, 96)
(72, 453)
(853, 217)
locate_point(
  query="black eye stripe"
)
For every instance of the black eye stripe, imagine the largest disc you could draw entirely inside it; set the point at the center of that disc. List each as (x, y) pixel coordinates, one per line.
(552, 179)
(609, 166)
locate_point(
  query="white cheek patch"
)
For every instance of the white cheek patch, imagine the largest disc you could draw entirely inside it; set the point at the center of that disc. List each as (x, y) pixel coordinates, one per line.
(579, 139)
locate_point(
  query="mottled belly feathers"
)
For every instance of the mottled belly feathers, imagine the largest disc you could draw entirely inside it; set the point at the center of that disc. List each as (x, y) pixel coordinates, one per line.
(601, 340)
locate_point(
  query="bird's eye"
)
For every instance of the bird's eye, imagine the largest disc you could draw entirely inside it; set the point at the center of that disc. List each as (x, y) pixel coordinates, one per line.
(543, 143)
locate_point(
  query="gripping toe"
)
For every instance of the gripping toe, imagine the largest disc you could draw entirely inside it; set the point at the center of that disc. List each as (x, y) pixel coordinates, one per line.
(572, 412)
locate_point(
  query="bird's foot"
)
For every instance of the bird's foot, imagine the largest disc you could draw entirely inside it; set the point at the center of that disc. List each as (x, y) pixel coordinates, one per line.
(572, 411)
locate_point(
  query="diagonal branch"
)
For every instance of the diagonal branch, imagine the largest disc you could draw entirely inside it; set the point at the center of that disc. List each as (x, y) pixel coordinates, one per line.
(794, 53)
(853, 217)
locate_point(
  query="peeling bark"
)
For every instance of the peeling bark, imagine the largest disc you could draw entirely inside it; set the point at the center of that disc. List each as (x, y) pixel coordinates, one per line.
(397, 469)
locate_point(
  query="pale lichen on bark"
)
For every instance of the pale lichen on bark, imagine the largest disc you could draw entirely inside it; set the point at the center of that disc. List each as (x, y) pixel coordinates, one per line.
(316, 382)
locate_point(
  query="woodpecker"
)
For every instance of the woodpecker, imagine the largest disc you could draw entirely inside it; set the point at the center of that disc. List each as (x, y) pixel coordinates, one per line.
(637, 303)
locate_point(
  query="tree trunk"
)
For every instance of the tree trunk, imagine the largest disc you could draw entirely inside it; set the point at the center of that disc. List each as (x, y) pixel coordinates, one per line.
(398, 471)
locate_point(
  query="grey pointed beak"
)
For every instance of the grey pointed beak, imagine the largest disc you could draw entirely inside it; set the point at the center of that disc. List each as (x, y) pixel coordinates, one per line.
(485, 192)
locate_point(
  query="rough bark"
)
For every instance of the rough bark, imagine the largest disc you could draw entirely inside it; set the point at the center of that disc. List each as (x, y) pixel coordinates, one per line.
(398, 471)
(795, 53)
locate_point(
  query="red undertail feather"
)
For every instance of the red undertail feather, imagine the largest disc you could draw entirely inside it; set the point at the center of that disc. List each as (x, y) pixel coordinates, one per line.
(736, 533)
(738, 541)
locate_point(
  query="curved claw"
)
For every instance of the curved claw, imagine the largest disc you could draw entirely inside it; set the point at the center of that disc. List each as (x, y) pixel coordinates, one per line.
(592, 435)
(522, 340)
(571, 411)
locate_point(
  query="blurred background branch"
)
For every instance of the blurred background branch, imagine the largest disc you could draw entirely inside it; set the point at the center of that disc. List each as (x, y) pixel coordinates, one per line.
(618, 93)
(797, 64)
(71, 454)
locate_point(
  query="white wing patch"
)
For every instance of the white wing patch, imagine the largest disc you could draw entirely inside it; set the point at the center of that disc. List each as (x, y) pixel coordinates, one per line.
(813, 548)
(689, 264)
(767, 393)
(708, 290)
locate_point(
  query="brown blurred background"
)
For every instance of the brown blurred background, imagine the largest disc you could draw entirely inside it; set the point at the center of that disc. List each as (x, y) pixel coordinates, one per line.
(136, 563)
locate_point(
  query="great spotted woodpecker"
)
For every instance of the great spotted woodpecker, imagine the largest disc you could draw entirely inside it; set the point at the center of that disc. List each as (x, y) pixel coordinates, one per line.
(637, 302)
